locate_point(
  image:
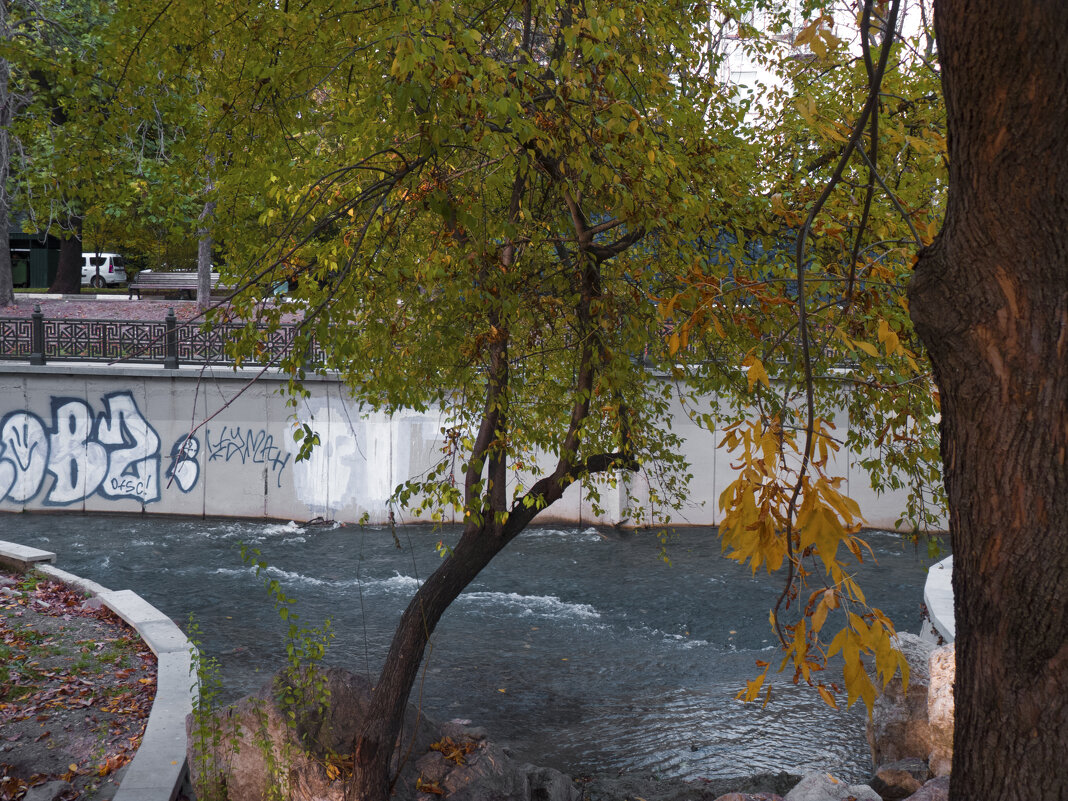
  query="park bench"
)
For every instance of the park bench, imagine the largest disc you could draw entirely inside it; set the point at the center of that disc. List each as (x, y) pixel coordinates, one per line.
(182, 284)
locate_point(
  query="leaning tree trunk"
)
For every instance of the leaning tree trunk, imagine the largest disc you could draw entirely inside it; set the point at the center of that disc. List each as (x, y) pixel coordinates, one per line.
(990, 300)
(377, 738)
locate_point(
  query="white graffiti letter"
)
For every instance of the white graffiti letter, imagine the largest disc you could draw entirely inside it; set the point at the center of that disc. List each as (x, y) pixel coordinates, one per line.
(23, 456)
(185, 469)
(78, 464)
(133, 450)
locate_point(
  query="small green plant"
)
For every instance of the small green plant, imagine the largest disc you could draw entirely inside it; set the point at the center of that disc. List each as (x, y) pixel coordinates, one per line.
(302, 694)
(207, 732)
(29, 580)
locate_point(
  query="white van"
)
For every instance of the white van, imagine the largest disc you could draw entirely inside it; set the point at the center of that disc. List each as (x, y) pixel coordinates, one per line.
(102, 269)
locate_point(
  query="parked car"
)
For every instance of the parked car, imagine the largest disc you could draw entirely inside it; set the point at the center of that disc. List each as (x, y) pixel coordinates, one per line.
(102, 269)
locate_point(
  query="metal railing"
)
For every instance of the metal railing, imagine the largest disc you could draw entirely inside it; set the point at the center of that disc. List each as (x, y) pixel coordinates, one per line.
(40, 341)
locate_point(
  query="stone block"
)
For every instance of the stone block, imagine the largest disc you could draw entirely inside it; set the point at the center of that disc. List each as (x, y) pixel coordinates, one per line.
(132, 608)
(71, 580)
(23, 557)
(942, 669)
(898, 727)
(897, 780)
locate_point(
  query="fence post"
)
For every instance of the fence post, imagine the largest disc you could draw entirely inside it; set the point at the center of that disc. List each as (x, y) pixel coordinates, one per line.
(170, 361)
(37, 339)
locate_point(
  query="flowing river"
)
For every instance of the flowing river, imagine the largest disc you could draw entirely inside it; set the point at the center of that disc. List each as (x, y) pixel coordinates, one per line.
(581, 649)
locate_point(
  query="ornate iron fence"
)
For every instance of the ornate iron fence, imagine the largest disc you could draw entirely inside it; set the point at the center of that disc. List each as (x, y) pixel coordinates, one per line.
(171, 343)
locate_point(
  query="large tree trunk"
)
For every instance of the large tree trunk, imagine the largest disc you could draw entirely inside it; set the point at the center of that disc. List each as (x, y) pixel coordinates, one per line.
(68, 280)
(7, 287)
(990, 300)
(376, 743)
(7, 104)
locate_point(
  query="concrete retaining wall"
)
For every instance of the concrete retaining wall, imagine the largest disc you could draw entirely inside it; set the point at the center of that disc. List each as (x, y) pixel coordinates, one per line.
(110, 439)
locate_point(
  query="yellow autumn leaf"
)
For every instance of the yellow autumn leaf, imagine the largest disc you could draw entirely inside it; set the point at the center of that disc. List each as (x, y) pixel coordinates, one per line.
(822, 608)
(867, 347)
(807, 34)
(932, 231)
(755, 372)
(858, 684)
(825, 694)
(889, 338)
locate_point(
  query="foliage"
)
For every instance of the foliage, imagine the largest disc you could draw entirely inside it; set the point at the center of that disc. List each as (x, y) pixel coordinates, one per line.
(87, 154)
(206, 732)
(458, 185)
(822, 329)
(302, 695)
(516, 215)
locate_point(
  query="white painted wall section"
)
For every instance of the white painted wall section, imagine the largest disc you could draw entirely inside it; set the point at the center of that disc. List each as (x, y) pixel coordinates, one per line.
(95, 438)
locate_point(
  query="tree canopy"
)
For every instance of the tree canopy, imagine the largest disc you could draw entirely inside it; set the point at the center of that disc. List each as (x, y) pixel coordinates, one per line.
(522, 215)
(528, 215)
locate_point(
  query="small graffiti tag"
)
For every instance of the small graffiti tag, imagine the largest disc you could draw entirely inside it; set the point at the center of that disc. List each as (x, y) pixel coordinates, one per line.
(247, 445)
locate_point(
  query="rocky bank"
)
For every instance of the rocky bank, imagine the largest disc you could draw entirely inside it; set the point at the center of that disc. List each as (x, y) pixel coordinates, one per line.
(293, 736)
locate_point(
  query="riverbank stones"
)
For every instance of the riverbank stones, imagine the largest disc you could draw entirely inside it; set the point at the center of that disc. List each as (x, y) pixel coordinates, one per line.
(825, 787)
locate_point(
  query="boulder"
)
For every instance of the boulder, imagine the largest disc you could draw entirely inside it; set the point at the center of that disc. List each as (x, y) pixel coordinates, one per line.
(897, 780)
(898, 727)
(937, 789)
(825, 787)
(942, 669)
(282, 737)
(750, 797)
(51, 791)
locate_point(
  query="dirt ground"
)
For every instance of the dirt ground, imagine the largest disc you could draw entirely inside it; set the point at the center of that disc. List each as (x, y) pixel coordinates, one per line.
(107, 308)
(76, 688)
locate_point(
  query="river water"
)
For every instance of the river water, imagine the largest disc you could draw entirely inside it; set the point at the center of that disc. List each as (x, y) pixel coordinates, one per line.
(581, 649)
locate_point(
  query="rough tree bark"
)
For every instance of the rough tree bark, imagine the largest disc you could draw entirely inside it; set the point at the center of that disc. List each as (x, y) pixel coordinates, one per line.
(7, 113)
(68, 280)
(990, 300)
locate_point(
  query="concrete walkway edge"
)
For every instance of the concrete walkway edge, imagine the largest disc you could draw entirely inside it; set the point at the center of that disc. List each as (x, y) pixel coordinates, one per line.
(938, 596)
(159, 769)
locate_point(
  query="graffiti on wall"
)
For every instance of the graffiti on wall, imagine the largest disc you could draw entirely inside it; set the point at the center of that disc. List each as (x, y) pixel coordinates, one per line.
(184, 469)
(247, 446)
(114, 453)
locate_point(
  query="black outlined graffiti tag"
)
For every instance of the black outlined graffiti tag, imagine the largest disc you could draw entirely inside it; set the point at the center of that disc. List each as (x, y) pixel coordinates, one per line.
(247, 445)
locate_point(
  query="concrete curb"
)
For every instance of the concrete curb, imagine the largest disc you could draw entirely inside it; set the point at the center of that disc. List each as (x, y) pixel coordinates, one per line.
(938, 596)
(159, 769)
(22, 557)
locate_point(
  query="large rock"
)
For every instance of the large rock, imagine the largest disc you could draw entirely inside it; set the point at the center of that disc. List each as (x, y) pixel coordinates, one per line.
(898, 727)
(825, 787)
(281, 738)
(897, 780)
(264, 742)
(942, 670)
(936, 789)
